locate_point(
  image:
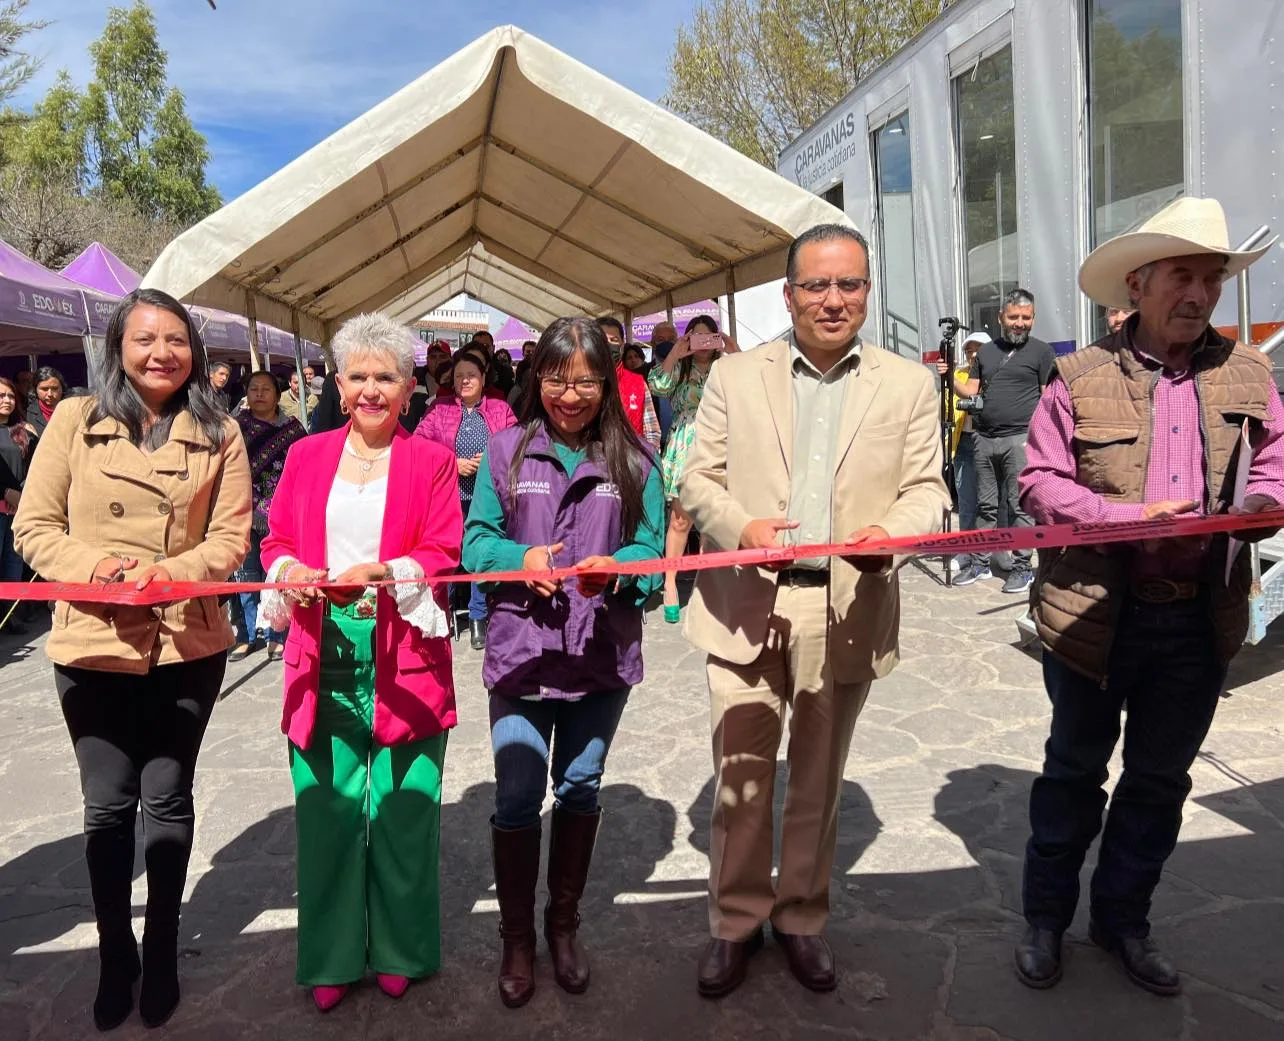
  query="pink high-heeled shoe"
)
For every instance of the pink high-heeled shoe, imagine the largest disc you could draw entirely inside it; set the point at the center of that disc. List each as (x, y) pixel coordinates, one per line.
(327, 997)
(393, 986)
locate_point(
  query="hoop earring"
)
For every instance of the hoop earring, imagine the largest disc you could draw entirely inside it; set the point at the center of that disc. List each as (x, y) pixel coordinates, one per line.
(343, 407)
(405, 408)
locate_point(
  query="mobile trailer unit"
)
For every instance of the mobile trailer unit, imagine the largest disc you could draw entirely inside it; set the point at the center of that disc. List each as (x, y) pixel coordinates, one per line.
(1010, 137)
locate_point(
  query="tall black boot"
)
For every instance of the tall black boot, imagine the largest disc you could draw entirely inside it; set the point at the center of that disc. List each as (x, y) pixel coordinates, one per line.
(516, 857)
(570, 852)
(166, 875)
(109, 854)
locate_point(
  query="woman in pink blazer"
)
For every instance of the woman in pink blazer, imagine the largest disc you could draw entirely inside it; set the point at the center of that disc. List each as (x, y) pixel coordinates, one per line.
(464, 423)
(369, 694)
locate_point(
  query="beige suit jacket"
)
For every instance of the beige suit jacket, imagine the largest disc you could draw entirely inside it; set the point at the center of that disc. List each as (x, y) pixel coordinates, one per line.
(887, 472)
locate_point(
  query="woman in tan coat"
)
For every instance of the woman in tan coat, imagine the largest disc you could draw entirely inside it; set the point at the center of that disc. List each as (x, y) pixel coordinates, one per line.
(147, 481)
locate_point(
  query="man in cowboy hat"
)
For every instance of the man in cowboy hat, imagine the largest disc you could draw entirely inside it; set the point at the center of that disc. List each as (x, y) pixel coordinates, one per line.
(1146, 423)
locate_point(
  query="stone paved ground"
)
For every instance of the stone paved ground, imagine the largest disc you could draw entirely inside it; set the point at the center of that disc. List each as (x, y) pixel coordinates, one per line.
(925, 889)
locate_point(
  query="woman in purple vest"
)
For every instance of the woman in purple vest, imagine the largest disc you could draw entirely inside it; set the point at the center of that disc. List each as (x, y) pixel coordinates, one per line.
(572, 483)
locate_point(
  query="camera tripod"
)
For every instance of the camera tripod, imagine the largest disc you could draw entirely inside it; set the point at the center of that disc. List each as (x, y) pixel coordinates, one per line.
(950, 328)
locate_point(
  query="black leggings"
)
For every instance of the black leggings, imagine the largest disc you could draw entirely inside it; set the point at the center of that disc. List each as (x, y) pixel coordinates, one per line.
(136, 740)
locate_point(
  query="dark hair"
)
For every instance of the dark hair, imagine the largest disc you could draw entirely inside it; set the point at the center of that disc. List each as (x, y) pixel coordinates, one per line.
(276, 383)
(1018, 298)
(688, 363)
(503, 355)
(526, 345)
(822, 233)
(610, 439)
(468, 354)
(48, 372)
(18, 417)
(606, 321)
(117, 399)
(633, 348)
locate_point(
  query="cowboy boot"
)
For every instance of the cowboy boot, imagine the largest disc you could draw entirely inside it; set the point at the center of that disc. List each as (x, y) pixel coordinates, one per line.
(515, 852)
(109, 855)
(569, 855)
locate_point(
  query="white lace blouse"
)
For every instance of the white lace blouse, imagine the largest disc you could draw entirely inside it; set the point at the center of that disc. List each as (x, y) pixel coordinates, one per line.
(353, 532)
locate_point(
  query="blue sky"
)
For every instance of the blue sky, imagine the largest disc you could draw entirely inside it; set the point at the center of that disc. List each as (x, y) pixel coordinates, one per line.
(267, 79)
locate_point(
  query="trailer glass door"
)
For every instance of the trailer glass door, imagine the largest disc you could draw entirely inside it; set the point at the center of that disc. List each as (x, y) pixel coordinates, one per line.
(896, 276)
(988, 190)
(1135, 110)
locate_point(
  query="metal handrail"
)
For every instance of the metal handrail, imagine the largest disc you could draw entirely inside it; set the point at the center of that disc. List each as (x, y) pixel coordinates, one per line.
(902, 319)
(1245, 301)
(1272, 342)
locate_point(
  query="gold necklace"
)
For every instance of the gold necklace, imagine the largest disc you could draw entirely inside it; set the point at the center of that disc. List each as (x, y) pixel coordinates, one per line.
(366, 463)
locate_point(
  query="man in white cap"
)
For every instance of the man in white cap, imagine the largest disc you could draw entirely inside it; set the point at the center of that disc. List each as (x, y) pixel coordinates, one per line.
(1146, 423)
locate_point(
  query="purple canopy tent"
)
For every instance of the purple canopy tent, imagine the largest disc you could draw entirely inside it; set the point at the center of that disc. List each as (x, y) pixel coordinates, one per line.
(42, 312)
(512, 335)
(222, 332)
(644, 325)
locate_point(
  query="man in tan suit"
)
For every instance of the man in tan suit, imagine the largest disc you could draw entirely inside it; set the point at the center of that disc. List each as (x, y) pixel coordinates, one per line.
(820, 438)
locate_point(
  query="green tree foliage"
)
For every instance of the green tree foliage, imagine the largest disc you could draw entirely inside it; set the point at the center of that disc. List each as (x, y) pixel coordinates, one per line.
(16, 65)
(119, 162)
(141, 145)
(756, 73)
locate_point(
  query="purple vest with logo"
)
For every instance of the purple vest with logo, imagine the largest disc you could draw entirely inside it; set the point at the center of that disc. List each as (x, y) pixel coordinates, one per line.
(565, 645)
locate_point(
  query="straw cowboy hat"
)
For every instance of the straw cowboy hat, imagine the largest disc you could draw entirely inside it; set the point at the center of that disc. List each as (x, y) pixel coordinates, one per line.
(1182, 228)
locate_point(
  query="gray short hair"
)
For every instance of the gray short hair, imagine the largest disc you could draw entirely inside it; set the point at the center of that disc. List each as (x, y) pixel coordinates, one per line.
(374, 333)
(1018, 298)
(1143, 274)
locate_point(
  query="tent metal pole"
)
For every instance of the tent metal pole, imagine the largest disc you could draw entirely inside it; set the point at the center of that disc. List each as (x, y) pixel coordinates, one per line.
(628, 325)
(731, 304)
(304, 389)
(668, 306)
(255, 361)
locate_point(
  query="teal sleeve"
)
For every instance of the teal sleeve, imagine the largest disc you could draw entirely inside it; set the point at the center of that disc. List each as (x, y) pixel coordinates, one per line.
(648, 542)
(486, 545)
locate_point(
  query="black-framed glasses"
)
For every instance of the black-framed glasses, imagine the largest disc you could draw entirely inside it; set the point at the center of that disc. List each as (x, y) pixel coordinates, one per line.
(818, 288)
(586, 387)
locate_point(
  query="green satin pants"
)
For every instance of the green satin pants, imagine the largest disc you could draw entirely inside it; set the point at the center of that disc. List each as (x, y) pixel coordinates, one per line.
(367, 822)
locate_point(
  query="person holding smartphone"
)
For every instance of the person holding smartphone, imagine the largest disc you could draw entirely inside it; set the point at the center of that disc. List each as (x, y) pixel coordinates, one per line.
(681, 378)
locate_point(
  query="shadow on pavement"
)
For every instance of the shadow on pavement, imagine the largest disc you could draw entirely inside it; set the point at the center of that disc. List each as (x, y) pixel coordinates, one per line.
(921, 954)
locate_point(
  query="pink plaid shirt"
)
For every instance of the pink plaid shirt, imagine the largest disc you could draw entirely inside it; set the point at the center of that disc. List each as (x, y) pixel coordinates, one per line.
(1050, 494)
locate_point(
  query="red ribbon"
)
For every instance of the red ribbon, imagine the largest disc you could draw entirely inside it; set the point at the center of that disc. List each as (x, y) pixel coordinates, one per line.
(1050, 536)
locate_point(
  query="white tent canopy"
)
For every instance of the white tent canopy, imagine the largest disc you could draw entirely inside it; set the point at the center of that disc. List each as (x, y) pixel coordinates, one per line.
(510, 172)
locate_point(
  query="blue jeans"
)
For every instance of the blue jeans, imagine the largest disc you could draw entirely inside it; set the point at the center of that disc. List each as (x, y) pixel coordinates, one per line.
(579, 734)
(10, 562)
(1164, 667)
(245, 609)
(965, 487)
(477, 608)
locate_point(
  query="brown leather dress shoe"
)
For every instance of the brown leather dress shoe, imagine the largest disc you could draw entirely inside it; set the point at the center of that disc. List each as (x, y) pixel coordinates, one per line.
(723, 964)
(810, 960)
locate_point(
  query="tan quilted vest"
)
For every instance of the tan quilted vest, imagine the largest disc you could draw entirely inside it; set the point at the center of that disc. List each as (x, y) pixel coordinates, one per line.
(1079, 591)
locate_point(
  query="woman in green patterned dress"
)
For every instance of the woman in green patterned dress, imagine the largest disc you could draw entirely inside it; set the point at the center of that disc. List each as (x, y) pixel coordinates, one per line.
(681, 378)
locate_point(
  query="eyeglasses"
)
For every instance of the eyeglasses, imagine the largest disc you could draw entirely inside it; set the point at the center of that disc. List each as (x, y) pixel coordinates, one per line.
(7, 397)
(588, 387)
(818, 288)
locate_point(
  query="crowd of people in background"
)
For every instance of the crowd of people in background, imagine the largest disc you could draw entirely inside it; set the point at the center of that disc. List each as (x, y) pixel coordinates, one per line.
(589, 455)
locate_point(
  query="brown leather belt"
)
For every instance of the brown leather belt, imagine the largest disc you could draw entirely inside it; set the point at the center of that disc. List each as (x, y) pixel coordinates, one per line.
(804, 576)
(1163, 590)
